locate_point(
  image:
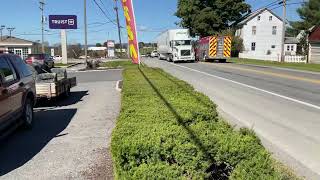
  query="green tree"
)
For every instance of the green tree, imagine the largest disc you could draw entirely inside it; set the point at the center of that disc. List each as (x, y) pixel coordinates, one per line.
(98, 45)
(207, 17)
(309, 14)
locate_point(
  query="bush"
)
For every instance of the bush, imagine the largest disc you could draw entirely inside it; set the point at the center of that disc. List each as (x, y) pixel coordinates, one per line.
(166, 130)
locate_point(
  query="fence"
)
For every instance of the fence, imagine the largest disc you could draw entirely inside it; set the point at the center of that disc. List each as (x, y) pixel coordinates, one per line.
(288, 59)
(295, 59)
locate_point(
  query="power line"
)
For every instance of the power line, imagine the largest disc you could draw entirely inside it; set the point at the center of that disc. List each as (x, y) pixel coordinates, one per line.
(287, 5)
(105, 8)
(104, 13)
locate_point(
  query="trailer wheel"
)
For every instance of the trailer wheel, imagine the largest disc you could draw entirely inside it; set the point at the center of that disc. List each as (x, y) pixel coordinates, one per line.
(67, 92)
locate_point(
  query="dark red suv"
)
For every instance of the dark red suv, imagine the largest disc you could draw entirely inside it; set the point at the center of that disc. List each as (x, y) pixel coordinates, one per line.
(17, 93)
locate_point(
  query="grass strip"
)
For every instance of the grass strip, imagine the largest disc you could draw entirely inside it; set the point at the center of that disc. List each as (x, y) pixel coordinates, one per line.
(298, 66)
(167, 130)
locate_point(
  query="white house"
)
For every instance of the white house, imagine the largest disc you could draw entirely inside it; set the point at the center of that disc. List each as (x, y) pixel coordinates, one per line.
(290, 46)
(18, 46)
(261, 32)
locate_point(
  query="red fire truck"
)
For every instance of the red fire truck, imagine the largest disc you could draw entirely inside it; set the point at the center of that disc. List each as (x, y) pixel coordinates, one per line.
(213, 48)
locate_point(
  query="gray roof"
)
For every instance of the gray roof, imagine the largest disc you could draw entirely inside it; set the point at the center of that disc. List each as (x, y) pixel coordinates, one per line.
(254, 14)
(291, 40)
(13, 40)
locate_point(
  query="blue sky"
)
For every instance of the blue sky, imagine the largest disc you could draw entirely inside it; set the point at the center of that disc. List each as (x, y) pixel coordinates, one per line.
(152, 16)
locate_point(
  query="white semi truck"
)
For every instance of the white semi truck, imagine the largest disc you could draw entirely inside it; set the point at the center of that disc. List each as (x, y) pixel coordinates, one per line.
(175, 45)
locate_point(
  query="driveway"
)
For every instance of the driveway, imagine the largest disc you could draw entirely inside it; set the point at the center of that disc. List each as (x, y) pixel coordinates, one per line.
(71, 137)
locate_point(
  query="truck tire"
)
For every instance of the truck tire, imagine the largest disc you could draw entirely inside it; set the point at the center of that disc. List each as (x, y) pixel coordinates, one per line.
(61, 73)
(222, 61)
(47, 77)
(28, 114)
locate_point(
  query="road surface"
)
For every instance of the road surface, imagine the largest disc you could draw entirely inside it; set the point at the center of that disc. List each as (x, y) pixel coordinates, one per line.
(70, 138)
(282, 106)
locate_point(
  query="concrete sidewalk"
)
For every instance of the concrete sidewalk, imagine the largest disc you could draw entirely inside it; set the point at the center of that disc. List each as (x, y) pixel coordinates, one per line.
(71, 137)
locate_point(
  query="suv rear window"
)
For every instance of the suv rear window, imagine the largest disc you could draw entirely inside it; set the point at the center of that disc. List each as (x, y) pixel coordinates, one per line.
(36, 56)
(7, 71)
(22, 66)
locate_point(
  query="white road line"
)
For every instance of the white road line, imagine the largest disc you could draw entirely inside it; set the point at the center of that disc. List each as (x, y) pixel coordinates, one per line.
(117, 86)
(252, 87)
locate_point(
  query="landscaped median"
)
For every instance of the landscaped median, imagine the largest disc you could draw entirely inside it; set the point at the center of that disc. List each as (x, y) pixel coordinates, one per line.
(167, 130)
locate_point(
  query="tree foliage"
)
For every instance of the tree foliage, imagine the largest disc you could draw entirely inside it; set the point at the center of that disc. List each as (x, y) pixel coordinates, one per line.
(207, 17)
(309, 14)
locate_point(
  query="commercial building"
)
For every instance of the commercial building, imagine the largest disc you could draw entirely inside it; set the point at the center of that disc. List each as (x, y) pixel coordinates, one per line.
(17, 46)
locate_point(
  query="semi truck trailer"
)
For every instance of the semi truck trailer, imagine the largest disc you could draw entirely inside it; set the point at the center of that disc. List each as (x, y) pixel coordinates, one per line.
(175, 45)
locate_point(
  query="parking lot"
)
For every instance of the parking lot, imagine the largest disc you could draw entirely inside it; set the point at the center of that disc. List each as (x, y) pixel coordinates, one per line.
(70, 137)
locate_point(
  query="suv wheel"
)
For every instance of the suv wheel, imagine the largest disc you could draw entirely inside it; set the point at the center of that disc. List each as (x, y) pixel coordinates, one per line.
(28, 116)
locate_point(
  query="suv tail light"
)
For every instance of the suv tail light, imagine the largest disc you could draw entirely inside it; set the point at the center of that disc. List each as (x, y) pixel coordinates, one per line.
(29, 60)
(32, 60)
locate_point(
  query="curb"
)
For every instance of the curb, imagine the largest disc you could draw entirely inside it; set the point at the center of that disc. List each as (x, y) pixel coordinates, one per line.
(73, 65)
(119, 85)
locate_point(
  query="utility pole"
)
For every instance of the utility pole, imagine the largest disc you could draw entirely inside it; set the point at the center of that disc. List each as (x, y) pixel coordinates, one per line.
(1, 29)
(10, 31)
(119, 28)
(283, 30)
(85, 33)
(42, 24)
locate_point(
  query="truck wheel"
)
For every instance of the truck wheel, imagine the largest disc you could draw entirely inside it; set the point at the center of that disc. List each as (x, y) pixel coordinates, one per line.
(222, 61)
(28, 114)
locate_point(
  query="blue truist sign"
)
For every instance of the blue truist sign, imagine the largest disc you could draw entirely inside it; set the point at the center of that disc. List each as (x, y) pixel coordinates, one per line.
(62, 22)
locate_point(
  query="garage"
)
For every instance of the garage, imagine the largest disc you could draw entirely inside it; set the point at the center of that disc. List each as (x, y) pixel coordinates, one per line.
(314, 45)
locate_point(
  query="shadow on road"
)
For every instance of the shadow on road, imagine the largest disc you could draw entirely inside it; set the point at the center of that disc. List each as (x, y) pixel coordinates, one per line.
(74, 98)
(23, 145)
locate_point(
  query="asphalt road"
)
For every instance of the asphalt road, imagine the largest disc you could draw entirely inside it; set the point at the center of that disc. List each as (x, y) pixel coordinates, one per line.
(282, 106)
(70, 138)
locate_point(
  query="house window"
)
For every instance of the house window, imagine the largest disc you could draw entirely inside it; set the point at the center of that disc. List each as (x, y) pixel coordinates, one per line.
(25, 52)
(254, 30)
(259, 18)
(253, 46)
(10, 49)
(292, 48)
(288, 48)
(274, 30)
(270, 18)
(273, 46)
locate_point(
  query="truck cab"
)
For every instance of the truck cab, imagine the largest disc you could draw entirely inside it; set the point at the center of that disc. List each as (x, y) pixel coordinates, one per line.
(175, 45)
(181, 50)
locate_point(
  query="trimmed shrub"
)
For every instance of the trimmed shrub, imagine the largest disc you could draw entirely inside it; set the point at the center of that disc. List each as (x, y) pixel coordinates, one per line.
(166, 130)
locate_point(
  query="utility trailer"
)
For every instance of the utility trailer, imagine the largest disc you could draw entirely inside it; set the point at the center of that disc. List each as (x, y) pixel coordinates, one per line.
(213, 48)
(55, 84)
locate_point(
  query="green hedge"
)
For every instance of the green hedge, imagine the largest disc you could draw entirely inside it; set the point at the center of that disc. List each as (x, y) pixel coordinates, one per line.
(166, 130)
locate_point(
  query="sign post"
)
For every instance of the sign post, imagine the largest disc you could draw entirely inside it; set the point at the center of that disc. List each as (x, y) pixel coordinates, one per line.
(64, 50)
(63, 22)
